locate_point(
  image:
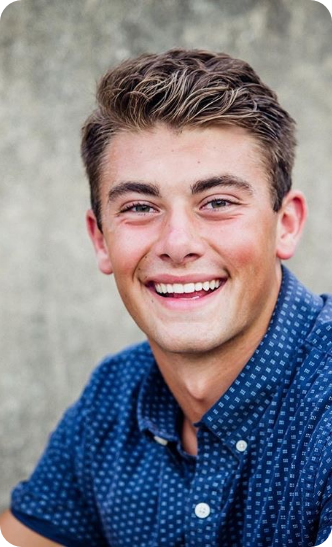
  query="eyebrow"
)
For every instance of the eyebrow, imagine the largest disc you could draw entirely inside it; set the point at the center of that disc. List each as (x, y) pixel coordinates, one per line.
(223, 181)
(137, 187)
(198, 187)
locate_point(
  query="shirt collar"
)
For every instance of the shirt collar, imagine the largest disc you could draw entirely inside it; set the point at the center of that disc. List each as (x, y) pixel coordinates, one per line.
(272, 365)
(270, 368)
(157, 410)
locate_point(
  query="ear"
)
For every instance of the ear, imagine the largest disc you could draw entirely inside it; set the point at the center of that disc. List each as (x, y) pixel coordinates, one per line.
(98, 240)
(292, 216)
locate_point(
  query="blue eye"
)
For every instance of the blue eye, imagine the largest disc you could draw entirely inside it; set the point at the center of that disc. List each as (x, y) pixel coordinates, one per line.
(138, 208)
(217, 203)
(141, 208)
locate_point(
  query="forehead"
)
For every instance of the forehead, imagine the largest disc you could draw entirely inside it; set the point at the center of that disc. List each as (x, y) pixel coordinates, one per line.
(163, 156)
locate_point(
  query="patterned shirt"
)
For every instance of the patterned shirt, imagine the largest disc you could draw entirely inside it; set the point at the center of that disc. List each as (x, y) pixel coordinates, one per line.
(115, 473)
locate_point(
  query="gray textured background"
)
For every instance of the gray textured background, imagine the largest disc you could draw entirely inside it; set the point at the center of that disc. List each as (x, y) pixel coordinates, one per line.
(58, 314)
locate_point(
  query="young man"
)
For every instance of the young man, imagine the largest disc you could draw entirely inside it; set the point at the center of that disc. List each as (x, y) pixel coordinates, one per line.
(217, 430)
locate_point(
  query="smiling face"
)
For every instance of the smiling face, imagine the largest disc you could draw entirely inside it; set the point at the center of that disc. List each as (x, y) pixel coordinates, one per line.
(191, 237)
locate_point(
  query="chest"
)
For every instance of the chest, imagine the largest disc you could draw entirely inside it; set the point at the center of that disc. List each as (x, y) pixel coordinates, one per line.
(151, 495)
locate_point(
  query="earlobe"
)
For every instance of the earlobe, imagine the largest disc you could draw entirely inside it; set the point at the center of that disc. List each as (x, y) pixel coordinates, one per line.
(292, 216)
(98, 240)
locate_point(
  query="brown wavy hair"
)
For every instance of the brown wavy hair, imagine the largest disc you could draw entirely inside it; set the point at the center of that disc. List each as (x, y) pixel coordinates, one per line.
(189, 88)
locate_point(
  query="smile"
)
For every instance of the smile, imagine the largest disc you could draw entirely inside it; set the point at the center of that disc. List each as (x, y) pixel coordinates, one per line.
(187, 290)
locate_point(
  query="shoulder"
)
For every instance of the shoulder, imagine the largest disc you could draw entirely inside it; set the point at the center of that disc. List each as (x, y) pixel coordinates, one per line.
(134, 361)
(112, 390)
(316, 370)
(320, 337)
(313, 379)
(120, 374)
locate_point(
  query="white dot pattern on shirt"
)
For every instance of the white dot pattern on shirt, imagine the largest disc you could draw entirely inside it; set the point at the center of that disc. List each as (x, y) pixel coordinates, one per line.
(104, 480)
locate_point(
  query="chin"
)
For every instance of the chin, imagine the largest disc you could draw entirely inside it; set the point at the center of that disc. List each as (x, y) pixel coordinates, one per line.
(185, 345)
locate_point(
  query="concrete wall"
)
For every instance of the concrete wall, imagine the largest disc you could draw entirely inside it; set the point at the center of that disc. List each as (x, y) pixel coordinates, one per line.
(58, 314)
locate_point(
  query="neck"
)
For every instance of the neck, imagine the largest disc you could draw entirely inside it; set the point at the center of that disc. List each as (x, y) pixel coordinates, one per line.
(198, 381)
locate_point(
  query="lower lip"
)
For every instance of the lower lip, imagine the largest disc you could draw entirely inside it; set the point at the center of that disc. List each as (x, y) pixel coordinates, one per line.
(186, 302)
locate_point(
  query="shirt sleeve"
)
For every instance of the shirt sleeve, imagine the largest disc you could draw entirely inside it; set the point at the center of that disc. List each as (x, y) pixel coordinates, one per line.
(58, 500)
(324, 481)
(323, 535)
(325, 524)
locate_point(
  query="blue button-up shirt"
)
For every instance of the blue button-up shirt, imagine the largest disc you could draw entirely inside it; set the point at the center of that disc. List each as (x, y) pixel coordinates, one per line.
(115, 473)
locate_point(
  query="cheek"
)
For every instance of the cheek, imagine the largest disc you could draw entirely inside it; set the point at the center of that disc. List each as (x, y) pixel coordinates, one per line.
(243, 247)
(127, 248)
(237, 249)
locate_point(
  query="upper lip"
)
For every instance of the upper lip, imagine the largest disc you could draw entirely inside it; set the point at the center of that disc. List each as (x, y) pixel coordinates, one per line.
(182, 279)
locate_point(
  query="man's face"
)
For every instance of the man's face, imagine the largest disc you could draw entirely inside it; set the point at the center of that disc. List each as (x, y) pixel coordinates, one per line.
(190, 235)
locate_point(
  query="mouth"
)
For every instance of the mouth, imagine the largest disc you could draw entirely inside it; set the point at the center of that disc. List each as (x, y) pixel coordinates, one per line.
(187, 291)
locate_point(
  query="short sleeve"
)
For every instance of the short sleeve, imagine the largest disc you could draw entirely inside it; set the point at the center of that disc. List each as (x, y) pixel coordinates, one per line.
(58, 501)
(324, 480)
(325, 523)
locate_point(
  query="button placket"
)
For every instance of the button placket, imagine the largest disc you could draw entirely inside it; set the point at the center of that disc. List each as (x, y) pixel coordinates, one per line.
(241, 445)
(202, 510)
(213, 466)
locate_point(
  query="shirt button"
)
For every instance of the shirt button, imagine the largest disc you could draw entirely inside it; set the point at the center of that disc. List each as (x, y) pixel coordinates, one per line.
(202, 510)
(160, 440)
(241, 446)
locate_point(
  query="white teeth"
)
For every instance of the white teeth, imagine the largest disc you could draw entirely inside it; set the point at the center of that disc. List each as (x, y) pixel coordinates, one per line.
(179, 288)
(189, 287)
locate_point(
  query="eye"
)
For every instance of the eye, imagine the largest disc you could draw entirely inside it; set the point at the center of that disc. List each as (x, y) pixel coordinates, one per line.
(217, 203)
(142, 208)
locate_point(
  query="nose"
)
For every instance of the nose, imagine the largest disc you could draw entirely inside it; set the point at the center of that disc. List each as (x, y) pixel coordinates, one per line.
(180, 240)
